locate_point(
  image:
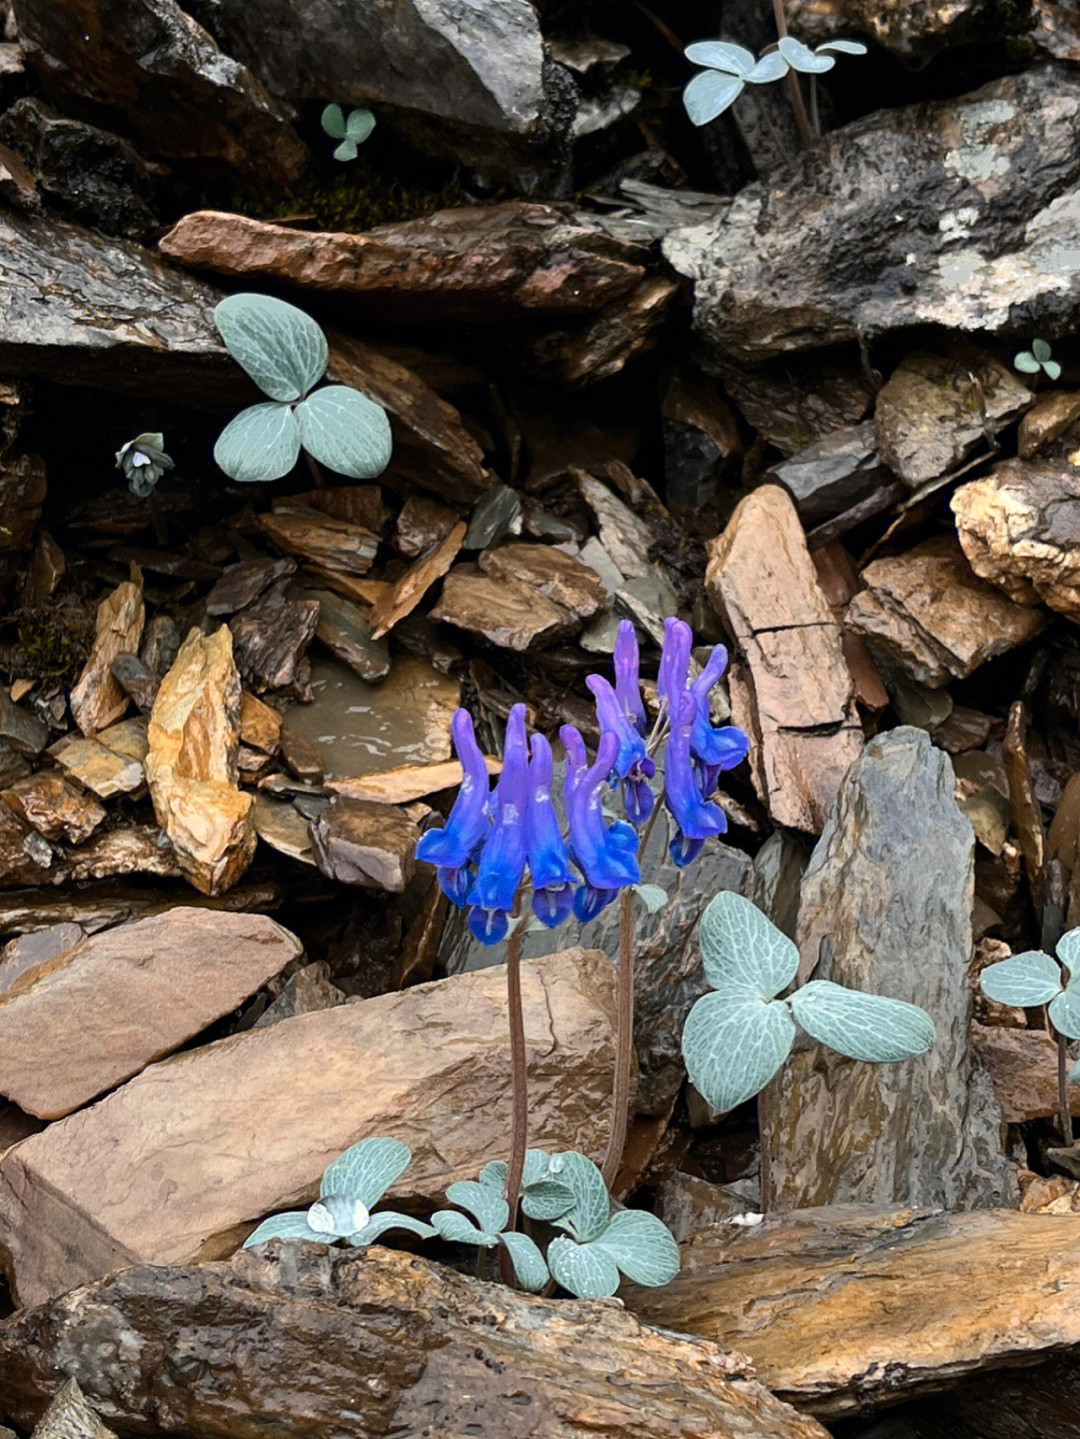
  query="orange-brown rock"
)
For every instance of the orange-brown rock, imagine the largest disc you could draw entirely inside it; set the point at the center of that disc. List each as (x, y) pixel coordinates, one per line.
(53, 807)
(406, 782)
(799, 699)
(401, 598)
(356, 841)
(111, 1003)
(1022, 1065)
(1020, 529)
(421, 524)
(549, 572)
(97, 700)
(506, 613)
(324, 1343)
(1047, 420)
(260, 726)
(928, 613)
(321, 539)
(851, 1306)
(191, 768)
(217, 1137)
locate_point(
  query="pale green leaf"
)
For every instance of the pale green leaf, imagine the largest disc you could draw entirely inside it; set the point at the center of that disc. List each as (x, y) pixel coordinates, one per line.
(293, 1225)
(592, 1204)
(333, 122)
(801, 58)
(346, 431)
(338, 1214)
(346, 150)
(528, 1262)
(1026, 362)
(733, 1043)
(452, 1225)
(281, 348)
(547, 1199)
(652, 896)
(261, 443)
(582, 1269)
(359, 125)
(1067, 950)
(769, 68)
(739, 943)
(642, 1246)
(1053, 369)
(1041, 350)
(844, 47)
(366, 1170)
(1064, 1011)
(869, 1027)
(721, 55)
(390, 1219)
(487, 1206)
(1026, 979)
(709, 95)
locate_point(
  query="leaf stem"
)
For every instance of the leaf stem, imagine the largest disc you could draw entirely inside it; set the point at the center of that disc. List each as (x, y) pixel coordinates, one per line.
(519, 1079)
(624, 1042)
(316, 472)
(1064, 1113)
(764, 1110)
(801, 117)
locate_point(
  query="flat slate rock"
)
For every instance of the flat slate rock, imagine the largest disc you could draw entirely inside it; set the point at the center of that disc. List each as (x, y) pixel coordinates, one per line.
(112, 1003)
(324, 1345)
(220, 1136)
(852, 1306)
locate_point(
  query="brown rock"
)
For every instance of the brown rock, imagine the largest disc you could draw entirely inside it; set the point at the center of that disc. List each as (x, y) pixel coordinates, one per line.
(191, 768)
(346, 631)
(550, 572)
(97, 700)
(816, 1298)
(1047, 420)
(103, 771)
(25, 858)
(421, 524)
(359, 842)
(1022, 1065)
(23, 731)
(30, 950)
(301, 756)
(499, 262)
(271, 637)
(280, 824)
(243, 583)
(627, 326)
(402, 597)
(928, 613)
(308, 1087)
(70, 1416)
(1020, 529)
(505, 613)
(321, 539)
(799, 702)
(326, 1343)
(357, 504)
(44, 572)
(53, 807)
(407, 782)
(114, 1002)
(260, 726)
(138, 850)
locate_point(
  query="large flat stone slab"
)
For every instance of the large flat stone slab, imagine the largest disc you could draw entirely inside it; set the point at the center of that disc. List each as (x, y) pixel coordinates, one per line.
(179, 1163)
(86, 1019)
(303, 1344)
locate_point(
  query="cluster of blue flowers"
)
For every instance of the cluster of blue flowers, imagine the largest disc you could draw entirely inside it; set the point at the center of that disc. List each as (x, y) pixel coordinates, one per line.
(489, 840)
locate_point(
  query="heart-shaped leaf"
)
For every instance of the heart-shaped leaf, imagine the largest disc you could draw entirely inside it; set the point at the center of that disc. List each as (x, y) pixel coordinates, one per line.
(389, 1219)
(709, 94)
(642, 1246)
(366, 1170)
(293, 1225)
(1026, 979)
(721, 55)
(582, 1269)
(1026, 362)
(359, 125)
(869, 1027)
(281, 348)
(528, 1262)
(261, 443)
(547, 1199)
(1067, 950)
(769, 68)
(333, 122)
(488, 1207)
(592, 1204)
(1041, 350)
(452, 1225)
(346, 431)
(733, 1043)
(739, 944)
(1064, 1011)
(801, 58)
(346, 150)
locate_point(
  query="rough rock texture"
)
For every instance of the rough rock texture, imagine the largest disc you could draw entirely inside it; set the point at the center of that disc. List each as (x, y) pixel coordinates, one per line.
(313, 1344)
(853, 1306)
(1020, 528)
(466, 81)
(511, 615)
(70, 1416)
(928, 613)
(507, 261)
(53, 807)
(97, 700)
(111, 1003)
(163, 80)
(224, 1134)
(912, 29)
(363, 842)
(886, 907)
(401, 598)
(825, 248)
(550, 572)
(1022, 1065)
(191, 769)
(800, 710)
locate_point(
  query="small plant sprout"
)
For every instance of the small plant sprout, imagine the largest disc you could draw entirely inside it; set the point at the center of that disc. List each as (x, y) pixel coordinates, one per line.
(491, 1212)
(351, 1186)
(286, 354)
(1034, 978)
(351, 131)
(1036, 359)
(737, 1038)
(143, 461)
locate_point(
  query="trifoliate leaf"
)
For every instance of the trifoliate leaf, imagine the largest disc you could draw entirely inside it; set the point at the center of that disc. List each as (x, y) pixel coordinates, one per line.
(346, 150)
(801, 58)
(592, 1203)
(1026, 362)
(1025, 980)
(359, 125)
(870, 1027)
(333, 122)
(281, 348)
(261, 443)
(286, 1226)
(1041, 351)
(733, 1043)
(1053, 369)
(489, 1208)
(769, 68)
(738, 943)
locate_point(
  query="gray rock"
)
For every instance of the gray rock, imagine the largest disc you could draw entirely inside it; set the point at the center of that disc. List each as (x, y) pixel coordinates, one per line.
(961, 213)
(668, 976)
(162, 79)
(833, 473)
(886, 904)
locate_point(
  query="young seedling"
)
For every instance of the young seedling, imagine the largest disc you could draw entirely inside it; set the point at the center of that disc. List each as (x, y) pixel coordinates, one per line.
(737, 1038)
(1036, 359)
(491, 1212)
(352, 132)
(351, 1186)
(1033, 978)
(286, 354)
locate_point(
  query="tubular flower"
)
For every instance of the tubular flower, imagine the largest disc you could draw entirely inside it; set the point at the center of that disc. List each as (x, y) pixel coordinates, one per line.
(502, 859)
(627, 684)
(632, 763)
(549, 863)
(453, 848)
(605, 854)
(715, 748)
(696, 820)
(674, 665)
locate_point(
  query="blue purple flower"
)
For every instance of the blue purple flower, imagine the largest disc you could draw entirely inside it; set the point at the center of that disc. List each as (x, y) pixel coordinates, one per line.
(695, 819)
(502, 859)
(605, 854)
(453, 847)
(553, 879)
